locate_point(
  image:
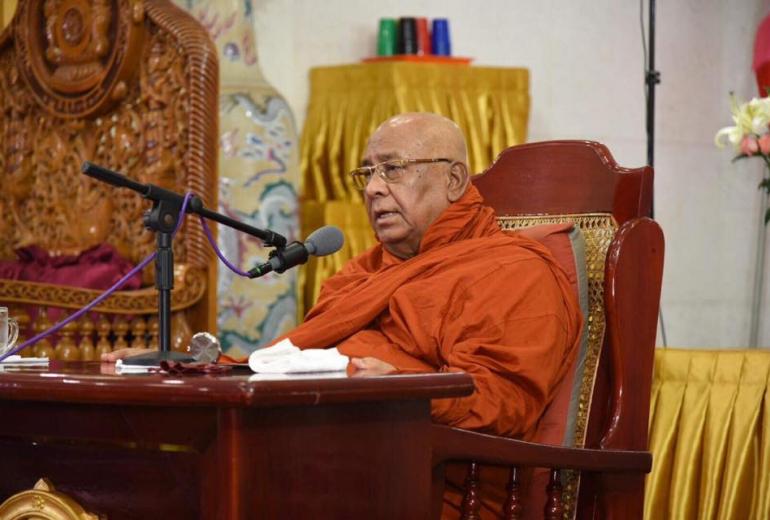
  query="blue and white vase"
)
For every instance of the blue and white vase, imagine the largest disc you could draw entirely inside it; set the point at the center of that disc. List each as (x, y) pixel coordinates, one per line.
(258, 180)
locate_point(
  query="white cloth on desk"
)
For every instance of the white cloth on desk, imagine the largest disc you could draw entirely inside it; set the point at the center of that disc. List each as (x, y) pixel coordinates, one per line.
(285, 358)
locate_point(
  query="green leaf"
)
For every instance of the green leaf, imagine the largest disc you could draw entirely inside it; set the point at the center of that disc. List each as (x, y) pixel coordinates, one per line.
(739, 157)
(767, 216)
(765, 184)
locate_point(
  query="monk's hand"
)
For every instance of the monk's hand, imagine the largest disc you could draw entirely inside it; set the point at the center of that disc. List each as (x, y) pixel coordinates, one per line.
(121, 354)
(371, 366)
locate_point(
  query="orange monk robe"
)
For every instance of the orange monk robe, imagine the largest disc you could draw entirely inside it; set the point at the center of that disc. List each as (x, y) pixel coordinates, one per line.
(473, 299)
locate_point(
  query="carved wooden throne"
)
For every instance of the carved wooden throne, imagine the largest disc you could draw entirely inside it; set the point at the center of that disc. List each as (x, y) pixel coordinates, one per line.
(129, 85)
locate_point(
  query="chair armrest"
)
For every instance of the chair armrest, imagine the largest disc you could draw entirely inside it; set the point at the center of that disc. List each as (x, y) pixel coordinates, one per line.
(455, 444)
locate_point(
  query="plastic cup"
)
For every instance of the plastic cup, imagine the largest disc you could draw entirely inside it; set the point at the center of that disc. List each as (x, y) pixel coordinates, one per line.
(386, 37)
(407, 36)
(442, 45)
(423, 37)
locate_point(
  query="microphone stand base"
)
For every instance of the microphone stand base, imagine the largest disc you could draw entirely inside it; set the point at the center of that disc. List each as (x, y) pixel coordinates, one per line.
(154, 357)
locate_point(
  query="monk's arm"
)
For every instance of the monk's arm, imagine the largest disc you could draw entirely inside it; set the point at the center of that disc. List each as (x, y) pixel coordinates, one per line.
(516, 343)
(514, 378)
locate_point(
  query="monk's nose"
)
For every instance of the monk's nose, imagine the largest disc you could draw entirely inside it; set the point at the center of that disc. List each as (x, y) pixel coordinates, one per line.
(376, 187)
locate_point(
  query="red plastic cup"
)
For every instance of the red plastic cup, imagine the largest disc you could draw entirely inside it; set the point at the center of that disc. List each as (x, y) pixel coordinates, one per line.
(423, 37)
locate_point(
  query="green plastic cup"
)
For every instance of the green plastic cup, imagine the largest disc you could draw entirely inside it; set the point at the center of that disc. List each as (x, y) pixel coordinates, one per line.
(386, 37)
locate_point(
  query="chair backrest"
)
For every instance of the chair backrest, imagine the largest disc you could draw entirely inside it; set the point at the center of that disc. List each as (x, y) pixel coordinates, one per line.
(580, 182)
(130, 85)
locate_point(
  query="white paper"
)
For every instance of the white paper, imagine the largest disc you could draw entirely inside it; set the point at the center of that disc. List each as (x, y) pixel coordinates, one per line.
(125, 368)
(18, 361)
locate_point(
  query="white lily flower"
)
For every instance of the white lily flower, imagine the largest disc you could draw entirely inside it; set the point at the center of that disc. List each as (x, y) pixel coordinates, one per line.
(750, 118)
(734, 135)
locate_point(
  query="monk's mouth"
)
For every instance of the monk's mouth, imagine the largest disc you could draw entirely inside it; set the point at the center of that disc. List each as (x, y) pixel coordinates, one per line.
(383, 216)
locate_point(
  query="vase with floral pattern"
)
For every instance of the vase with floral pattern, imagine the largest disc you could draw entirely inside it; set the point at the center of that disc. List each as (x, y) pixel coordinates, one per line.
(258, 179)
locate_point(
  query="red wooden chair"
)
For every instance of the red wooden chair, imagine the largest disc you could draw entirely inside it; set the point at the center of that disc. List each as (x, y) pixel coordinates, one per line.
(596, 465)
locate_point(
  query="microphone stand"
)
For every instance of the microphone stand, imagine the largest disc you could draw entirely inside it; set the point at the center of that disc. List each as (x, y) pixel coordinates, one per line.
(163, 219)
(652, 78)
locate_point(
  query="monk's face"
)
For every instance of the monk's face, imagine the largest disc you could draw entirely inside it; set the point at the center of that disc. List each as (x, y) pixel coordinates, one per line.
(401, 212)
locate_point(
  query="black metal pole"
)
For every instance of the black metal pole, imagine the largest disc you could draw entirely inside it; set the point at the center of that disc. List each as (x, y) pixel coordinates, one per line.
(652, 77)
(164, 282)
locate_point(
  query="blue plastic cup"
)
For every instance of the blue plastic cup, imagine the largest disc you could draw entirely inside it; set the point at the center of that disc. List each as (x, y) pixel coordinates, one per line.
(440, 41)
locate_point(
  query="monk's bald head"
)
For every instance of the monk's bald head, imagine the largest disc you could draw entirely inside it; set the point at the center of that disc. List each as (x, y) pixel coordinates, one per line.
(421, 135)
(420, 168)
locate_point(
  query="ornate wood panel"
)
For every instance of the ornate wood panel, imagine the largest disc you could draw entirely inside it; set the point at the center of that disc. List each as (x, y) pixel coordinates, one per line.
(127, 84)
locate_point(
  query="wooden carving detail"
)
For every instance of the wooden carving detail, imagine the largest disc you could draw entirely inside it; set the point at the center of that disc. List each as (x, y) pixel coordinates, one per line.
(45, 503)
(127, 84)
(189, 288)
(46, 135)
(470, 509)
(513, 509)
(77, 55)
(554, 508)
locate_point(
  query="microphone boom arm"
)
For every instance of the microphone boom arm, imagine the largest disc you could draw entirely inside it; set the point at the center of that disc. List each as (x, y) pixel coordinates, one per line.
(158, 194)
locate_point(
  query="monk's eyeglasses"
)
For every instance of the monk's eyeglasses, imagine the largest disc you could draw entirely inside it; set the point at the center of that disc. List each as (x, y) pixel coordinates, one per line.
(389, 171)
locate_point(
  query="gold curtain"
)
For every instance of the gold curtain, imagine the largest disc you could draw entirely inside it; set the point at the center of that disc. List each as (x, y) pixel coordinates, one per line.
(710, 435)
(7, 8)
(348, 102)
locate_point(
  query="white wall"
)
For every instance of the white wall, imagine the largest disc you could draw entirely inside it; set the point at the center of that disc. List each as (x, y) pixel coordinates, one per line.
(586, 65)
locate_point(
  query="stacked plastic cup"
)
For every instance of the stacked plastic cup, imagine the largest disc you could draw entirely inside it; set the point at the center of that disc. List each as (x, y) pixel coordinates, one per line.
(410, 35)
(386, 38)
(407, 35)
(423, 37)
(442, 45)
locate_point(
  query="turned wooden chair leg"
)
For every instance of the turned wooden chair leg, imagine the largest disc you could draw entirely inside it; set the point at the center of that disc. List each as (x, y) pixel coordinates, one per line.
(471, 506)
(513, 509)
(554, 508)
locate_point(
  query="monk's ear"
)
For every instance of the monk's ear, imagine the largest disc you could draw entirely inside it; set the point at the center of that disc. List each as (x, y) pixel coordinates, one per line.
(457, 181)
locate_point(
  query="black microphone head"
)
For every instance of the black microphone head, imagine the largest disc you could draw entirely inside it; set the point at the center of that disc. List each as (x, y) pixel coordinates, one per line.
(324, 241)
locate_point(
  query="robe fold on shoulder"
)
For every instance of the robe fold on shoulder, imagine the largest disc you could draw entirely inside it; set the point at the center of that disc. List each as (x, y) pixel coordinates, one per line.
(475, 299)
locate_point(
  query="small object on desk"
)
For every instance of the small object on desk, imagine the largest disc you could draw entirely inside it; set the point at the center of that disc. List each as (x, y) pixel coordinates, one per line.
(386, 37)
(407, 36)
(18, 361)
(441, 43)
(9, 331)
(285, 358)
(179, 368)
(122, 367)
(423, 38)
(205, 347)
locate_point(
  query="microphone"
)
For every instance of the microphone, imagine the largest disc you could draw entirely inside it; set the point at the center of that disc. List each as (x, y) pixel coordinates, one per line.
(321, 242)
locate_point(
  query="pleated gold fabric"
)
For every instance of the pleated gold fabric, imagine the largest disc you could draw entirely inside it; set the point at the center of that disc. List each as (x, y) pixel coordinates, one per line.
(710, 435)
(348, 102)
(7, 8)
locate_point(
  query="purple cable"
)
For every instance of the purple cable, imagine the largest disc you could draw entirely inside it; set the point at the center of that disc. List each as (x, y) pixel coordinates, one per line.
(213, 243)
(99, 299)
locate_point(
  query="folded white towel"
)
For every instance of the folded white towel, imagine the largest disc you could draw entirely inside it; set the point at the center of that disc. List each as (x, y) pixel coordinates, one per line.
(285, 358)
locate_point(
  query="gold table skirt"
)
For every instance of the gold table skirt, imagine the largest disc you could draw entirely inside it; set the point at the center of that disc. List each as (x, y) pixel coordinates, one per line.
(710, 435)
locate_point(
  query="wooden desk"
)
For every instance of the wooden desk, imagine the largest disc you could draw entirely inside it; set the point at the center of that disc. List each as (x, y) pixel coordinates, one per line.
(224, 446)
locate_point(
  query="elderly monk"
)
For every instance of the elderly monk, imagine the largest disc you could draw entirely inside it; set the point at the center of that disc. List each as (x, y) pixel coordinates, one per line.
(445, 289)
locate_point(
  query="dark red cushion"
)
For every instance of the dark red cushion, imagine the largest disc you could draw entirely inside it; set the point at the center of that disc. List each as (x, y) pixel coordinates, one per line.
(96, 268)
